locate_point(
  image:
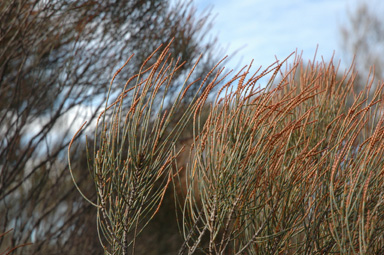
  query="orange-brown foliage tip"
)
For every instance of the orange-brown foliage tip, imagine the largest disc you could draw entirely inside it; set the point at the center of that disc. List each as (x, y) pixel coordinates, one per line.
(292, 166)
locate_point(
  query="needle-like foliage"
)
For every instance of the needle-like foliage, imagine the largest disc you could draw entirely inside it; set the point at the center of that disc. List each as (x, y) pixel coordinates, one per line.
(135, 150)
(293, 167)
(289, 168)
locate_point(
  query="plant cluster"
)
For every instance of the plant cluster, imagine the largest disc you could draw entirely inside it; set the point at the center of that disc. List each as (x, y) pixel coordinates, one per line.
(293, 167)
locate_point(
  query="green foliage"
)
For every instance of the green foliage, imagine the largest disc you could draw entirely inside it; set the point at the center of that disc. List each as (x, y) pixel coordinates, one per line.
(295, 167)
(135, 150)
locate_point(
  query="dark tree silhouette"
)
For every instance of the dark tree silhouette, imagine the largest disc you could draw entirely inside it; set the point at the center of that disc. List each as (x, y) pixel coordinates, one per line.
(362, 39)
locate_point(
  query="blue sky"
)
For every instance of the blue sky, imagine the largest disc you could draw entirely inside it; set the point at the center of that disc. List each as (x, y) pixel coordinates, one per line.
(269, 28)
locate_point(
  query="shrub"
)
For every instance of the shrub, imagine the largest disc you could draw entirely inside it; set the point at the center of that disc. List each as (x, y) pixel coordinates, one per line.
(294, 167)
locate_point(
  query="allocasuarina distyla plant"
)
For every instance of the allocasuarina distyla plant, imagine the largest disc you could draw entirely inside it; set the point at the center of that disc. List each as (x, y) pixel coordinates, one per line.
(135, 148)
(296, 167)
(288, 169)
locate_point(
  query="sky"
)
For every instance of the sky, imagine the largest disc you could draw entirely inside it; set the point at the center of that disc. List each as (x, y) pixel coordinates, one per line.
(261, 30)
